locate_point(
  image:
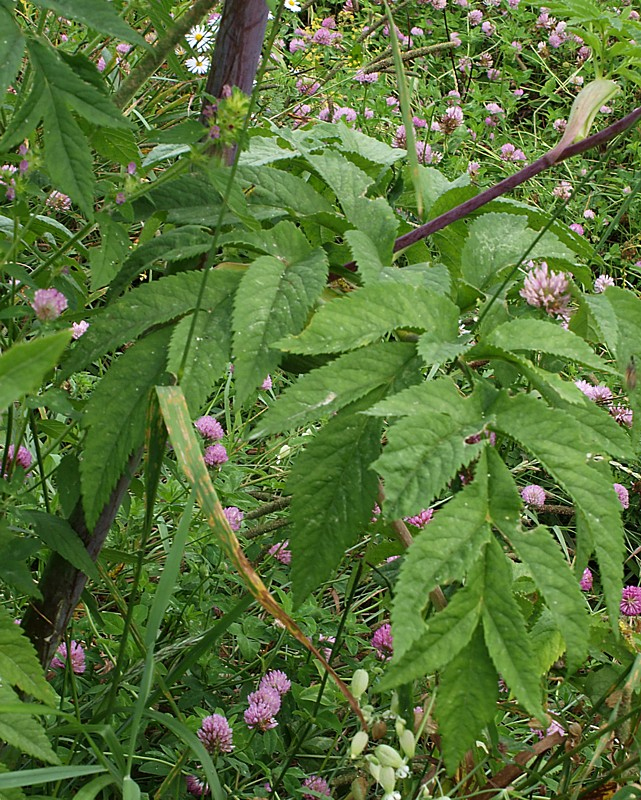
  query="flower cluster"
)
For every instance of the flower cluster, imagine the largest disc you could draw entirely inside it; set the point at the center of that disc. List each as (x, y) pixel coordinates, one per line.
(546, 289)
(600, 393)
(76, 658)
(264, 704)
(421, 519)
(48, 304)
(383, 643)
(281, 552)
(316, 784)
(216, 734)
(631, 601)
(533, 495)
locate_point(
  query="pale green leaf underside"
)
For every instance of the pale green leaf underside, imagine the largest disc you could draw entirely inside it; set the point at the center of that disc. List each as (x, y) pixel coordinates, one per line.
(330, 388)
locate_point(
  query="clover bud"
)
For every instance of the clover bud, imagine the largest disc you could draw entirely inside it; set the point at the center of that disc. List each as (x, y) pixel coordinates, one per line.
(408, 743)
(388, 756)
(358, 744)
(360, 682)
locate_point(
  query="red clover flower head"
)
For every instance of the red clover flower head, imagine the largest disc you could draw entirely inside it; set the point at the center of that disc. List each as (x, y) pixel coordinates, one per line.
(57, 201)
(603, 281)
(586, 580)
(216, 455)
(216, 734)
(275, 680)
(546, 289)
(280, 552)
(622, 494)
(533, 495)
(316, 784)
(209, 428)
(383, 643)
(622, 414)
(234, 517)
(263, 705)
(23, 457)
(78, 329)
(48, 304)
(196, 787)
(421, 519)
(266, 385)
(76, 658)
(631, 601)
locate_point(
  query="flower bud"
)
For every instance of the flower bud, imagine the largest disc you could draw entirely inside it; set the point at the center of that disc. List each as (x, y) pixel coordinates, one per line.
(388, 756)
(374, 768)
(387, 779)
(408, 743)
(399, 725)
(360, 682)
(379, 729)
(359, 788)
(358, 744)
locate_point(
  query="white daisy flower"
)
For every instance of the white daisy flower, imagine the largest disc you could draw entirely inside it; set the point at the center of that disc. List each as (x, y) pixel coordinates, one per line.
(199, 37)
(292, 5)
(198, 65)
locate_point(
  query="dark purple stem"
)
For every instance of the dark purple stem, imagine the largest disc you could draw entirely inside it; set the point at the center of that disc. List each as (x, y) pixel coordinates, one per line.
(554, 156)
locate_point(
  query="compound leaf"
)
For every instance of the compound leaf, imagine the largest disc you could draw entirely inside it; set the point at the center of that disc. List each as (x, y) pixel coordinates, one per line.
(98, 15)
(23, 366)
(23, 731)
(19, 665)
(11, 48)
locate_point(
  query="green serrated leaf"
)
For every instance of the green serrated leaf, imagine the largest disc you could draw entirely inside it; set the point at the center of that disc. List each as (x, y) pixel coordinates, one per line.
(546, 337)
(354, 141)
(444, 552)
(24, 366)
(547, 641)
(67, 154)
(345, 179)
(540, 553)
(19, 665)
(26, 116)
(277, 188)
(115, 144)
(367, 314)
(503, 627)
(24, 732)
(59, 536)
(105, 260)
(333, 492)
(366, 255)
(98, 15)
(441, 396)
(324, 391)
(15, 552)
(496, 241)
(430, 276)
(115, 418)
(11, 48)
(466, 700)
(209, 354)
(272, 301)
(175, 245)
(70, 89)
(563, 446)
(424, 451)
(150, 304)
(445, 635)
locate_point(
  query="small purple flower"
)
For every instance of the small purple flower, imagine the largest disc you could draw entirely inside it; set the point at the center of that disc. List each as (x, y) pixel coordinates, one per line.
(475, 18)
(602, 282)
(266, 385)
(263, 706)
(599, 393)
(121, 198)
(79, 328)
(123, 48)
(76, 659)
(196, 787)
(622, 494)
(234, 517)
(131, 168)
(421, 519)
(533, 495)
(547, 290)
(586, 580)
(622, 415)
(280, 552)
(48, 304)
(383, 643)
(555, 727)
(216, 455)
(23, 457)
(275, 680)
(209, 428)
(631, 601)
(316, 784)
(216, 734)
(577, 228)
